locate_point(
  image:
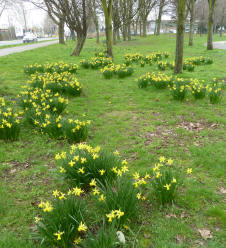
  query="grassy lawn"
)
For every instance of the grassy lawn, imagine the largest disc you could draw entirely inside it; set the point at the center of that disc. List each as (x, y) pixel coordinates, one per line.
(142, 124)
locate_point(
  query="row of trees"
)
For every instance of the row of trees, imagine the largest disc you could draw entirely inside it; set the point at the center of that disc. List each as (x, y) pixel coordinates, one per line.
(122, 15)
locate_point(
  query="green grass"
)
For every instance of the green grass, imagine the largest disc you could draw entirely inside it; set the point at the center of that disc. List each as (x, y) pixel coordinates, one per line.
(142, 124)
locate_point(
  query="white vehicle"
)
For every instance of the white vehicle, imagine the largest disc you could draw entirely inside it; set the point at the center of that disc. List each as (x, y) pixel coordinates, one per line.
(29, 37)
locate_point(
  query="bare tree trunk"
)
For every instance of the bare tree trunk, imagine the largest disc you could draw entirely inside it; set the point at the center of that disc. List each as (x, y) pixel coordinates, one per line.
(180, 37)
(129, 31)
(61, 31)
(80, 43)
(124, 32)
(73, 35)
(118, 34)
(107, 8)
(140, 28)
(114, 36)
(144, 28)
(159, 20)
(210, 25)
(96, 23)
(192, 13)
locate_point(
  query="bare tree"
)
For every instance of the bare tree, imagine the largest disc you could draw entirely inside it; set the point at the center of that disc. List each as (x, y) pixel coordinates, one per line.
(191, 9)
(95, 8)
(212, 4)
(161, 5)
(145, 7)
(107, 8)
(181, 15)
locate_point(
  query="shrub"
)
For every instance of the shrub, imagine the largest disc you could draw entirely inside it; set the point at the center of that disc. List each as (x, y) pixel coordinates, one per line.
(9, 122)
(84, 164)
(119, 196)
(164, 181)
(61, 222)
(198, 88)
(63, 82)
(178, 89)
(214, 91)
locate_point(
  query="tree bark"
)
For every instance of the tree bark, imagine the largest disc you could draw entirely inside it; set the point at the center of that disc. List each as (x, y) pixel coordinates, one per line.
(108, 26)
(61, 31)
(129, 31)
(80, 43)
(180, 37)
(210, 25)
(118, 34)
(192, 13)
(144, 28)
(159, 20)
(114, 37)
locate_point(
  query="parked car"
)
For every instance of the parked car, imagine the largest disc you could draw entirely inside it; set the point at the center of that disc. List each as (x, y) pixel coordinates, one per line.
(29, 37)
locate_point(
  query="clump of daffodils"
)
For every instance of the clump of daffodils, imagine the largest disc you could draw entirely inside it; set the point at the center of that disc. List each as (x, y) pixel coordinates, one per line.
(164, 180)
(179, 89)
(9, 121)
(51, 67)
(85, 165)
(63, 82)
(198, 88)
(95, 62)
(46, 99)
(214, 90)
(62, 220)
(122, 195)
(119, 70)
(158, 80)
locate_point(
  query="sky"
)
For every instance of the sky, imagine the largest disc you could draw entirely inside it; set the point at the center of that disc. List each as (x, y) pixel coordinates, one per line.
(14, 16)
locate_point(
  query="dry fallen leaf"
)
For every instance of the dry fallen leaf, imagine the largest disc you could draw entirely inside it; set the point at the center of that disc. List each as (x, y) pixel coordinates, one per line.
(222, 190)
(170, 216)
(206, 234)
(179, 239)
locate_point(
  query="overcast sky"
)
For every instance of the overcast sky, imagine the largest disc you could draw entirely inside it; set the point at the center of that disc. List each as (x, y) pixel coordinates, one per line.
(34, 16)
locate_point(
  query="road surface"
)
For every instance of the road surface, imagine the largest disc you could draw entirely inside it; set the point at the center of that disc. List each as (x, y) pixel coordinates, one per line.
(19, 49)
(17, 42)
(220, 45)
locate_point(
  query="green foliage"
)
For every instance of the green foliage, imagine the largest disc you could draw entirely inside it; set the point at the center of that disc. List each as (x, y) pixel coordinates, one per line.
(105, 237)
(57, 67)
(164, 181)
(120, 195)
(83, 164)
(214, 91)
(178, 89)
(9, 122)
(58, 223)
(63, 82)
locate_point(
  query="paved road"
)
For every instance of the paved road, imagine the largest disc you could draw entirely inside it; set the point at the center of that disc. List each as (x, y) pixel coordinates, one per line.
(16, 42)
(220, 45)
(19, 49)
